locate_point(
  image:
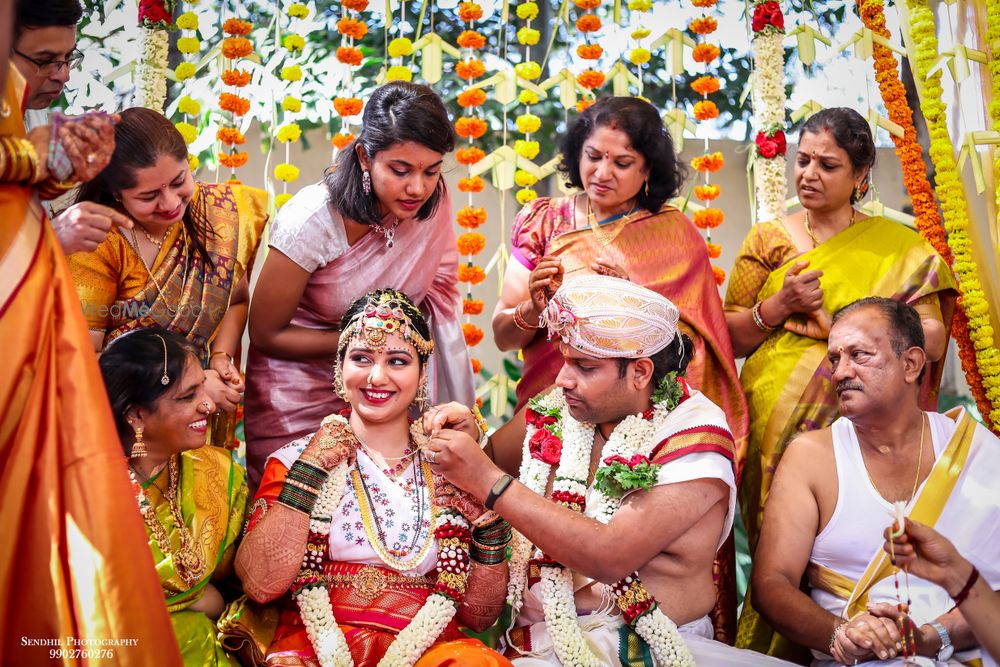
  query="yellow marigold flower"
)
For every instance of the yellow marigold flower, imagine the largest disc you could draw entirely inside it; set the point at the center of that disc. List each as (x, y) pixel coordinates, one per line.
(189, 45)
(640, 5)
(291, 104)
(282, 199)
(639, 56)
(294, 42)
(529, 70)
(528, 36)
(189, 106)
(528, 123)
(640, 33)
(286, 172)
(524, 195)
(184, 71)
(290, 132)
(524, 179)
(527, 97)
(187, 21)
(292, 73)
(399, 73)
(526, 149)
(298, 10)
(400, 47)
(527, 11)
(188, 131)
(193, 162)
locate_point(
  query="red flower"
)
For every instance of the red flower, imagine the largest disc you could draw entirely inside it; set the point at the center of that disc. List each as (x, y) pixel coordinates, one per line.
(545, 447)
(771, 146)
(539, 420)
(154, 11)
(768, 13)
(616, 459)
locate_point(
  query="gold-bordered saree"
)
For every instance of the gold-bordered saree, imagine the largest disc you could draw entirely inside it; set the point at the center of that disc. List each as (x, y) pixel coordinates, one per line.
(212, 493)
(787, 378)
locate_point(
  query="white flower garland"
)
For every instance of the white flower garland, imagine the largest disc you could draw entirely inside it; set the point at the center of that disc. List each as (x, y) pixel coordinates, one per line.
(634, 435)
(151, 82)
(427, 624)
(768, 86)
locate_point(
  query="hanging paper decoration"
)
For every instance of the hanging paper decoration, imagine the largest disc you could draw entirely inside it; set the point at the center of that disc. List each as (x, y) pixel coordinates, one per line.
(155, 18)
(768, 86)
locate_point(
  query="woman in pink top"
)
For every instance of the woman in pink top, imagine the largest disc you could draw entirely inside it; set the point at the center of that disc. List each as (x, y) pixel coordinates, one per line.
(380, 218)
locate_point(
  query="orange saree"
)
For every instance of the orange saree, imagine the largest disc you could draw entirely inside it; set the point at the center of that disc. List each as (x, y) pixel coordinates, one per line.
(77, 582)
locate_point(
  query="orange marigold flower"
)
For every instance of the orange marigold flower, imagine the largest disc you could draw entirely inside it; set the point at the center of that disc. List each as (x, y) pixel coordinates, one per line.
(233, 160)
(469, 217)
(588, 23)
(708, 162)
(708, 218)
(230, 136)
(237, 27)
(235, 77)
(590, 79)
(347, 106)
(470, 243)
(342, 140)
(470, 11)
(352, 28)
(704, 3)
(349, 55)
(469, 126)
(472, 306)
(714, 249)
(470, 273)
(236, 47)
(705, 52)
(473, 334)
(589, 51)
(355, 5)
(720, 275)
(587, 4)
(470, 155)
(703, 25)
(473, 184)
(470, 39)
(476, 366)
(234, 103)
(473, 97)
(583, 105)
(705, 85)
(705, 110)
(707, 192)
(470, 69)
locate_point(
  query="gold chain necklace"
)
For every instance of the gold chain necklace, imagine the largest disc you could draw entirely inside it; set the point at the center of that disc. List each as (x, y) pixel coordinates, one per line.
(188, 561)
(158, 244)
(812, 235)
(149, 270)
(603, 237)
(920, 460)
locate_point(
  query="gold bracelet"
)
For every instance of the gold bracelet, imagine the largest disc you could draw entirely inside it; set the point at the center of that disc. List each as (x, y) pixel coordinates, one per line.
(481, 425)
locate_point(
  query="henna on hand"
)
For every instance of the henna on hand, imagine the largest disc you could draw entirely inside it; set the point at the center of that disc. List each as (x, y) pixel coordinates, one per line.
(486, 594)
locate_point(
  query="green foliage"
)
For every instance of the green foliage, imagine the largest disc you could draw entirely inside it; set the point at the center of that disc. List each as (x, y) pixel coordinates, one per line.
(618, 478)
(669, 391)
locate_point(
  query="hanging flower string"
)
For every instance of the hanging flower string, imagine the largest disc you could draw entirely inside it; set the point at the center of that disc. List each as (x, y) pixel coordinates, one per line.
(156, 19)
(705, 110)
(953, 206)
(471, 126)
(928, 219)
(640, 54)
(293, 42)
(190, 108)
(768, 86)
(591, 78)
(399, 48)
(352, 29)
(527, 123)
(235, 47)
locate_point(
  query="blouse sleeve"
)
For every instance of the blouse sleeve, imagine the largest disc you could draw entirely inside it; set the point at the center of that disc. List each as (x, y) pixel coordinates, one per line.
(759, 255)
(96, 276)
(532, 229)
(306, 231)
(267, 493)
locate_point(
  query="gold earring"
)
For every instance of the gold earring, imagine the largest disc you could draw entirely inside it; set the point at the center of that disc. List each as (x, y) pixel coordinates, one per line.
(338, 382)
(138, 447)
(421, 400)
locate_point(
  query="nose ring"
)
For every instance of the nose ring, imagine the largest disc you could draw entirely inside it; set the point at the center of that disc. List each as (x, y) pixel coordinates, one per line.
(207, 406)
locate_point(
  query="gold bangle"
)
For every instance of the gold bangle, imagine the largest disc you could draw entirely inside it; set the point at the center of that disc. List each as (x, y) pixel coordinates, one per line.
(481, 425)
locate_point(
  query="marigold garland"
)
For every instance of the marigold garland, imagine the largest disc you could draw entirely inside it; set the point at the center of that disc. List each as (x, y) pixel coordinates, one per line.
(470, 127)
(473, 334)
(233, 160)
(237, 27)
(235, 77)
(590, 79)
(705, 110)
(472, 97)
(470, 217)
(953, 206)
(590, 51)
(472, 306)
(470, 155)
(342, 140)
(705, 53)
(719, 274)
(352, 28)
(470, 39)
(347, 106)
(714, 250)
(230, 136)
(707, 192)
(711, 162)
(471, 243)
(234, 47)
(476, 366)
(189, 44)
(291, 105)
(467, 70)
(349, 55)
(471, 184)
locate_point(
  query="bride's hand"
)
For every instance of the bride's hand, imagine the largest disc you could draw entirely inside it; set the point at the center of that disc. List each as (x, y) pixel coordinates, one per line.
(332, 445)
(448, 495)
(454, 416)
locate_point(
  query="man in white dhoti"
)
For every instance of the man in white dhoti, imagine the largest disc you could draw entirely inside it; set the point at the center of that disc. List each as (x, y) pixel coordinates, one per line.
(626, 490)
(834, 495)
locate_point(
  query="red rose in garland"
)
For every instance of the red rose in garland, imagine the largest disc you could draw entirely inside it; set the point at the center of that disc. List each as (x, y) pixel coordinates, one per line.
(771, 146)
(545, 447)
(153, 11)
(768, 13)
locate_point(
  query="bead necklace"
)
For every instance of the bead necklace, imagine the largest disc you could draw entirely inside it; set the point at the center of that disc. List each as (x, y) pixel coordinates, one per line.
(149, 270)
(187, 560)
(373, 527)
(812, 235)
(388, 232)
(394, 471)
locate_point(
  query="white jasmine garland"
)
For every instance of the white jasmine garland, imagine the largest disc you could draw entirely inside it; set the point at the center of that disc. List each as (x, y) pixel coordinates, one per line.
(768, 86)
(151, 82)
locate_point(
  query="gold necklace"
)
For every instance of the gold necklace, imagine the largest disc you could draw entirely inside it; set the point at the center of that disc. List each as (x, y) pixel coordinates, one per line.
(812, 235)
(149, 270)
(187, 560)
(603, 237)
(920, 460)
(158, 244)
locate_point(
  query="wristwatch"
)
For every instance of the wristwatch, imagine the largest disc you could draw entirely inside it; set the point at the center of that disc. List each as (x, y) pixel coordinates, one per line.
(944, 653)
